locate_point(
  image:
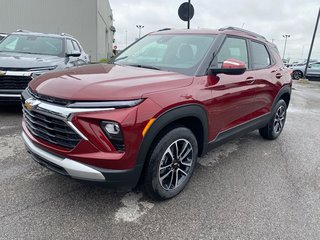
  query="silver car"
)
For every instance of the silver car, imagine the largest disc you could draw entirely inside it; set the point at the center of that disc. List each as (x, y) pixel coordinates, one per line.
(25, 55)
(312, 71)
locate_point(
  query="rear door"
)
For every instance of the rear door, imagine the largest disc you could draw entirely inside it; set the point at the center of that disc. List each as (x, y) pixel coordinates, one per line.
(268, 77)
(232, 94)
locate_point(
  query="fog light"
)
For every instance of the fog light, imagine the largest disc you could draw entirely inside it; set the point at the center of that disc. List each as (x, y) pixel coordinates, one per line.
(114, 134)
(112, 128)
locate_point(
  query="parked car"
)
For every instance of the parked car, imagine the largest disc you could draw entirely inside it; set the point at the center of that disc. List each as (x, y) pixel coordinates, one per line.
(25, 55)
(2, 36)
(312, 71)
(149, 115)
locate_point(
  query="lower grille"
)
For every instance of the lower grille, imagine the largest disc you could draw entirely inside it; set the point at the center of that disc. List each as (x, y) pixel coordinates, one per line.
(49, 129)
(14, 82)
(48, 164)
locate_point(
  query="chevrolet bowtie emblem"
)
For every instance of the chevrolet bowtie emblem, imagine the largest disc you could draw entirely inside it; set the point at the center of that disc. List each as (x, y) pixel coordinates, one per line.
(2, 73)
(31, 104)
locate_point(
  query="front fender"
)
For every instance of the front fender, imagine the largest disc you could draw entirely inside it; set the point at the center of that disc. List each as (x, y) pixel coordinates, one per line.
(168, 117)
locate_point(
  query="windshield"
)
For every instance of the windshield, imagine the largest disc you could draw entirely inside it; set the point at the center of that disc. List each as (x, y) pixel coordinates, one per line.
(177, 53)
(32, 45)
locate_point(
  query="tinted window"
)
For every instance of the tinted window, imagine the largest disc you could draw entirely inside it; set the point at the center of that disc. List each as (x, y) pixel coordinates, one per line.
(261, 58)
(233, 48)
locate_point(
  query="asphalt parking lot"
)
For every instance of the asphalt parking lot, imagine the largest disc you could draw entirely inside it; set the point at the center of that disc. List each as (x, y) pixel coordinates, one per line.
(249, 188)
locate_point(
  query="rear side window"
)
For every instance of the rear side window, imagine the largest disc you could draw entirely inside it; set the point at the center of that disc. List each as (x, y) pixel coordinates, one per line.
(233, 48)
(260, 55)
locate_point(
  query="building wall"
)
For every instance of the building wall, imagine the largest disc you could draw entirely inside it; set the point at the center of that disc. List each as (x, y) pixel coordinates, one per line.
(76, 17)
(105, 33)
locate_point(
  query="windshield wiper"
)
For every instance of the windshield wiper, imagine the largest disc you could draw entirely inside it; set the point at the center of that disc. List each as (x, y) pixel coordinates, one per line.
(116, 60)
(143, 66)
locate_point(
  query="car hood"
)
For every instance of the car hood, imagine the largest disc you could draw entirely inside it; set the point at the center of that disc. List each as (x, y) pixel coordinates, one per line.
(22, 60)
(106, 82)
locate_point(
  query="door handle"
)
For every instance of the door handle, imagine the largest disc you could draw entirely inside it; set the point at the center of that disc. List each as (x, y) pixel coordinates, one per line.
(278, 75)
(250, 80)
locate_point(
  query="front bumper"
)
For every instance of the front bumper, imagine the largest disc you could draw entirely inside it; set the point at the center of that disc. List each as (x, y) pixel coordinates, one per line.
(68, 167)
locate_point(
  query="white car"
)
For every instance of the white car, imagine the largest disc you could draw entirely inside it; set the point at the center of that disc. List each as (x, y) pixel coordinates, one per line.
(312, 71)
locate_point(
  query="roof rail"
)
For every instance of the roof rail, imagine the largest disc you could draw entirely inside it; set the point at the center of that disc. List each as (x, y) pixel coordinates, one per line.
(164, 29)
(22, 30)
(66, 34)
(253, 34)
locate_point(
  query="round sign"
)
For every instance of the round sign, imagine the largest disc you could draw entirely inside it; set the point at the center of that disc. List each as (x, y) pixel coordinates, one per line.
(115, 47)
(183, 11)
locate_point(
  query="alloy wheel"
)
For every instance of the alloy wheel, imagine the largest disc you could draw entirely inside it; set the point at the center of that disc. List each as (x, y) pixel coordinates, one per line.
(279, 119)
(175, 164)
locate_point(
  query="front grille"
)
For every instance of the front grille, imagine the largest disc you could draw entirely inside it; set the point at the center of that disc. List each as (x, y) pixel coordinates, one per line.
(14, 82)
(49, 129)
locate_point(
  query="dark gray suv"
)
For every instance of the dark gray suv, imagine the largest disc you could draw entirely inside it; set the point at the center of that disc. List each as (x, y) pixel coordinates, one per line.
(25, 55)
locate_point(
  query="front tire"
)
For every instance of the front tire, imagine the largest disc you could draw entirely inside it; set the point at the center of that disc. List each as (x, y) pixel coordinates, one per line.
(296, 75)
(171, 164)
(275, 126)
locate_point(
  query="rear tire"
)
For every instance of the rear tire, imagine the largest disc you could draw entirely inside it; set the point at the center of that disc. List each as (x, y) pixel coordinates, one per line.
(275, 126)
(171, 164)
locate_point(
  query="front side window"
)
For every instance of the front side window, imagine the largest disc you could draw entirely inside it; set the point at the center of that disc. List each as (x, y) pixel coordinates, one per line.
(181, 53)
(233, 48)
(31, 44)
(260, 55)
(76, 46)
(70, 47)
(315, 66)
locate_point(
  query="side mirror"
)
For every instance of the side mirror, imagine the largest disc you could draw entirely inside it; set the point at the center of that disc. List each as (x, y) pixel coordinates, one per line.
(73, 54)
(231, 67)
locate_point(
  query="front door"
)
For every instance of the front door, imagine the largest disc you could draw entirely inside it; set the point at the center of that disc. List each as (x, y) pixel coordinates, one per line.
(232, 95)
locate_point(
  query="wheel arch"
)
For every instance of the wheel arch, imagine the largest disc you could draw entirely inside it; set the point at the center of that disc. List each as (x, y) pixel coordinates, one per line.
(192, 116)
(284, 94)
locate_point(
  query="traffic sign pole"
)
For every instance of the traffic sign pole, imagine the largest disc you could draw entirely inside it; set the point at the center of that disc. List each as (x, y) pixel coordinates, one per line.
(189, 3)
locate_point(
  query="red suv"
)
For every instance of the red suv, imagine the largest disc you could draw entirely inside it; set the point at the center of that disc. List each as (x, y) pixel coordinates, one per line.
(163, 102)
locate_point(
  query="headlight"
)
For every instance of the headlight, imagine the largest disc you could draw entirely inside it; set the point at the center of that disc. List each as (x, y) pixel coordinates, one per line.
(106, 104)
(114, 134)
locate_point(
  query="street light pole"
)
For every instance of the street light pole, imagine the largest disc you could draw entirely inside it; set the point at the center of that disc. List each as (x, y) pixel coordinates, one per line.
(313, 37)
(286, 36)
(139, 27)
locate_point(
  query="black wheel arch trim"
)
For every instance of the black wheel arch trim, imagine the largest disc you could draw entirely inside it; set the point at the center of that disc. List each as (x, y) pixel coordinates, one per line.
(285, 89)
(174, 114)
